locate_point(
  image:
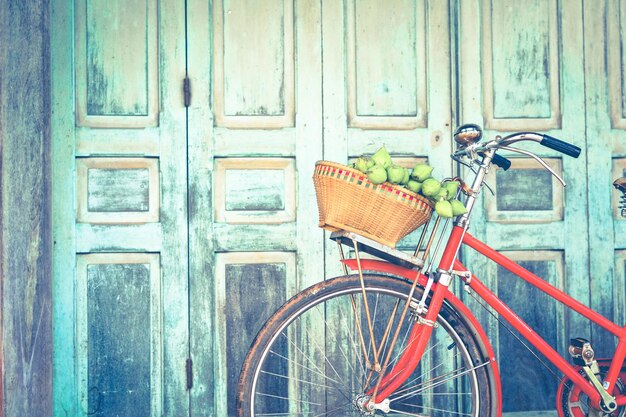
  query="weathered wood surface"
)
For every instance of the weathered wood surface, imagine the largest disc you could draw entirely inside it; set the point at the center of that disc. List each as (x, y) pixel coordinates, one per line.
(520, 69)
(233, 115)
(25, 195)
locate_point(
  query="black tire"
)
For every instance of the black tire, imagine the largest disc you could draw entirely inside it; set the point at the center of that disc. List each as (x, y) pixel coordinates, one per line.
(308, 359)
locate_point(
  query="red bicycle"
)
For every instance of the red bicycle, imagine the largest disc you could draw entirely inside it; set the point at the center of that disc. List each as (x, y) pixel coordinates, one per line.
(392, 339)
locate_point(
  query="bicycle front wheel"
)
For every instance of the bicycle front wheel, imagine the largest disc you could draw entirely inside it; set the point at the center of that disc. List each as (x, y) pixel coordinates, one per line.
(315, 356)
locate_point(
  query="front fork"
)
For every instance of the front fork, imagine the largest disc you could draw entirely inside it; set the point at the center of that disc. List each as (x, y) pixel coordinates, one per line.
(419, 337)
(423, 328)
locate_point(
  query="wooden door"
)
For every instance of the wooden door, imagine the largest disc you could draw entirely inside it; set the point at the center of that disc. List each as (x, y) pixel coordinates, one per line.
(277, 85)
(119, 208)
(255, 132)
(606, 150)
(520, 69)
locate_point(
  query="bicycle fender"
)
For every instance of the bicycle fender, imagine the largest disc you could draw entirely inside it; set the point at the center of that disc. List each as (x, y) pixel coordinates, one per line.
(410, 274)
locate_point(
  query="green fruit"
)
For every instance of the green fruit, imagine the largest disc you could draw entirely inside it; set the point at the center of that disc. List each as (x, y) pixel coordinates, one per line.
(363, 163)
(381, 157)
(421, 172)
(444, 208)
(430, 187)
(452, 187)
(414, 186)
(442, 194)
(395, 174)
(457, 207)
(407, 177)
(377, 174)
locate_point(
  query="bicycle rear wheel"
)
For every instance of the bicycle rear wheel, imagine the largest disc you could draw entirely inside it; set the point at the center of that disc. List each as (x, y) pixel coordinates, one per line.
(313, 357)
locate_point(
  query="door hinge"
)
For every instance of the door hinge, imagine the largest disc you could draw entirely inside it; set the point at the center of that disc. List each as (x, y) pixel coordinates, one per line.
(187, 91)
(189, 372)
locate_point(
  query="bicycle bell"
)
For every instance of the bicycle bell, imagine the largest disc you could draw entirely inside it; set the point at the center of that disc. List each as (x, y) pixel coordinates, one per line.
(468, 134)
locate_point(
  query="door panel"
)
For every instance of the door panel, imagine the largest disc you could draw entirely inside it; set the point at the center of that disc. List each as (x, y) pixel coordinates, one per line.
(520, 70)
(121, 339)
(241, 277)
(116, 64)
(119, 366)
(386, 64)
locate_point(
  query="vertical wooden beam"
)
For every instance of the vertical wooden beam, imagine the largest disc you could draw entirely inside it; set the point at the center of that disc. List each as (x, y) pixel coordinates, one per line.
(25, 240)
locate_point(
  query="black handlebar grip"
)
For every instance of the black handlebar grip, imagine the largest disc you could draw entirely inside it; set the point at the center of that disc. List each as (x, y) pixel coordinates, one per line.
(501, 161)
(559, 145)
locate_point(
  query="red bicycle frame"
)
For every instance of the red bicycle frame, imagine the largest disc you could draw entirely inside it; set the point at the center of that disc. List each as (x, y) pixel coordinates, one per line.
(440, 293)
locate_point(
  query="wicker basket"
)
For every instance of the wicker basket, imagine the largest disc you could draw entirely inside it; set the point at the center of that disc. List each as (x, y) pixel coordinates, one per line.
(347, 200)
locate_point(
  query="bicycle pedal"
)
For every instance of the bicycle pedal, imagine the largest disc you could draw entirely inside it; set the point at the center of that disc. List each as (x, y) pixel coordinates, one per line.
(581, 351)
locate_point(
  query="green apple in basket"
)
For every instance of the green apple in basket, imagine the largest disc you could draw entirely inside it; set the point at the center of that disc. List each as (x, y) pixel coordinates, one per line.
(395, 174)
(452, 187)
(364, 163)
(444, 208)
(431, 187)
(377, 174)
(382, 157)
(450, 208)
(407, 177)
(458, 208)
(421, 172)
(414, 186)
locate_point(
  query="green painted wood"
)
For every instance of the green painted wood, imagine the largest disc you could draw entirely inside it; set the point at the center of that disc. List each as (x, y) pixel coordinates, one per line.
(542, 313)
(604, 75)
(255, 189)
(410, 128)
(386, 35)
(246, 286)
(507, 76)
(117, 190)
(118, 308)
(25, 236)
(514, 186)
(342, 138)
(201, 235)
(262, 33)
(258, 23)
(521, 76)
(116, 44)
(120, 192)
(64, 264)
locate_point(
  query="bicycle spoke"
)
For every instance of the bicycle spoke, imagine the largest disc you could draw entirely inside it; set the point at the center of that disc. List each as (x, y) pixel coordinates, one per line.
(452, 375)
(342, 407)
(357, 320)
(304, 355)
(261, 394)
(407, 384)
(290, 378)
(303, 366)
(330, 326)
(456, 413)
(318, 359)
(354, 346)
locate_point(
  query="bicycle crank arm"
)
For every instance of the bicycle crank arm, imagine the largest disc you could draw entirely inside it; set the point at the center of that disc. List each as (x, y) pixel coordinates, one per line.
(608, 403)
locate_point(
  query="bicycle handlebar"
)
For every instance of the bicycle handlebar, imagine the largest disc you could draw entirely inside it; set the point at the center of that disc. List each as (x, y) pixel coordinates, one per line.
(561, 146)
(470, 147)
(501, 161)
